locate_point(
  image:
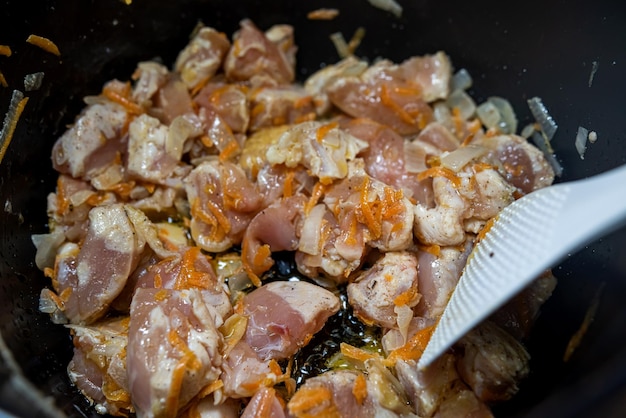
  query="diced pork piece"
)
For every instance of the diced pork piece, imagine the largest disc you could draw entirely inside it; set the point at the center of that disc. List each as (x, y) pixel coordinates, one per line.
(265, 403)
(98, 367)
(253, 54)
(96, 126)
(172, 100)
(275, 228)
(329, 248)
(323, 148)
(437, 278)
(432, 73)
(243, 372)
(149, 77)
(220, 134)
(173, 349)
(229, 101)
(519, 314)
(377, 293)
(443, 224)
(283, 316)
(154, 149)
(384, 212)
(282, 105)
(332, 394)
(493, 362)
(381, 94)
(283, 37)
(347, 393)
(438, 136)
(223, 202)
(89, 278)
(438, 390)
(521, 164)
(202, 57)
(318, 82)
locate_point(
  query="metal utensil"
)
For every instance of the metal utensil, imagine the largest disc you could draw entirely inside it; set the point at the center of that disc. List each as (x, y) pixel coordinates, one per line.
(529, 236)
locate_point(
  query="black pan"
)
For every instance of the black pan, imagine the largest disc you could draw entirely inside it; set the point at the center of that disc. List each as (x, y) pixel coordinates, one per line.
(572, 54)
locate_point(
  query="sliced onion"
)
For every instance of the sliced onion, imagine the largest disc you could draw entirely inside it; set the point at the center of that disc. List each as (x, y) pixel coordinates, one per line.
(461, 80)
(508, 119)
(528, 130)
(414, 157)
(388, 6)
(489, 115)
(147, 230)
(47, 246)
(541, 115)
(459, 158)
(581, 141)
(442, 114)
(405, 314)
(462, 101)
(310, 236)
(340, 44)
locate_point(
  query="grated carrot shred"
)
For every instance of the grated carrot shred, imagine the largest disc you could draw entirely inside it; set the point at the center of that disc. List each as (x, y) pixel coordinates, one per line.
(210, 388)
(323, 130)
(229, 151)
(189, 276)
(485, 229)
(356, 353)
(387, 101)
(3, 81)
(439, 171)
(126, 102)
(322, 14)
(43, 43)
(433, 249)
(413, 348)
(316, 194)
(406, 297)
(288, 187)
(309, 402)
(359, 390)
(5, 50)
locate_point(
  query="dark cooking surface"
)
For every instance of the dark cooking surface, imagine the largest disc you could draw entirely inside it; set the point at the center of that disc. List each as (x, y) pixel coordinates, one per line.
(539, 48)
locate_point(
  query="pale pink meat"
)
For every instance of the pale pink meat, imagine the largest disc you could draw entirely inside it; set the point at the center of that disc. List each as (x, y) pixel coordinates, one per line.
(98, 367)
(281, 105)
(149, 77)
(432, 73)
(173, 349)
(223, 202)
(254, 55)
(492, 362)
(274, 228)
(283, 316)
(202, 57)
(437, 278)
(265, 403)
(229, 101)
(96, 275)
(94, 128)
(377, 292)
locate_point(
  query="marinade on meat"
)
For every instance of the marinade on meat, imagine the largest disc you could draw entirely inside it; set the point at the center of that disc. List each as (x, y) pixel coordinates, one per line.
(227, 241)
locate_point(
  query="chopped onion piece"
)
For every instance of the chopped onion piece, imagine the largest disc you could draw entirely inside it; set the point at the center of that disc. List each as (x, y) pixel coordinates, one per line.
(581, 141)
(508, 120)
(462, 101)
(388, 6)
(541, 115)
(33, 81)
(542, 144)
(593, 137)
(340, 44)
(459, 158)
(442, 114)
(311, 234)
(462, 80)
(489, 115)
(414, 157)
(528, 130)
(47, 246)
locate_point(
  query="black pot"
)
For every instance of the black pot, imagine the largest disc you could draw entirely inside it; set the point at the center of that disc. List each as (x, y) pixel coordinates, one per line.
(572, 54)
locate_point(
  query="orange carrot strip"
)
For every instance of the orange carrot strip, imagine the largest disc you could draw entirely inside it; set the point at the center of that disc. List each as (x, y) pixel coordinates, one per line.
(3, 81)
(289, 186)
(413, 349)
(8, 127)
(230, 150)
(439, 171)
(130, 106)
(323, 130)
(44, 43)
(386, 100)
(359, 390)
